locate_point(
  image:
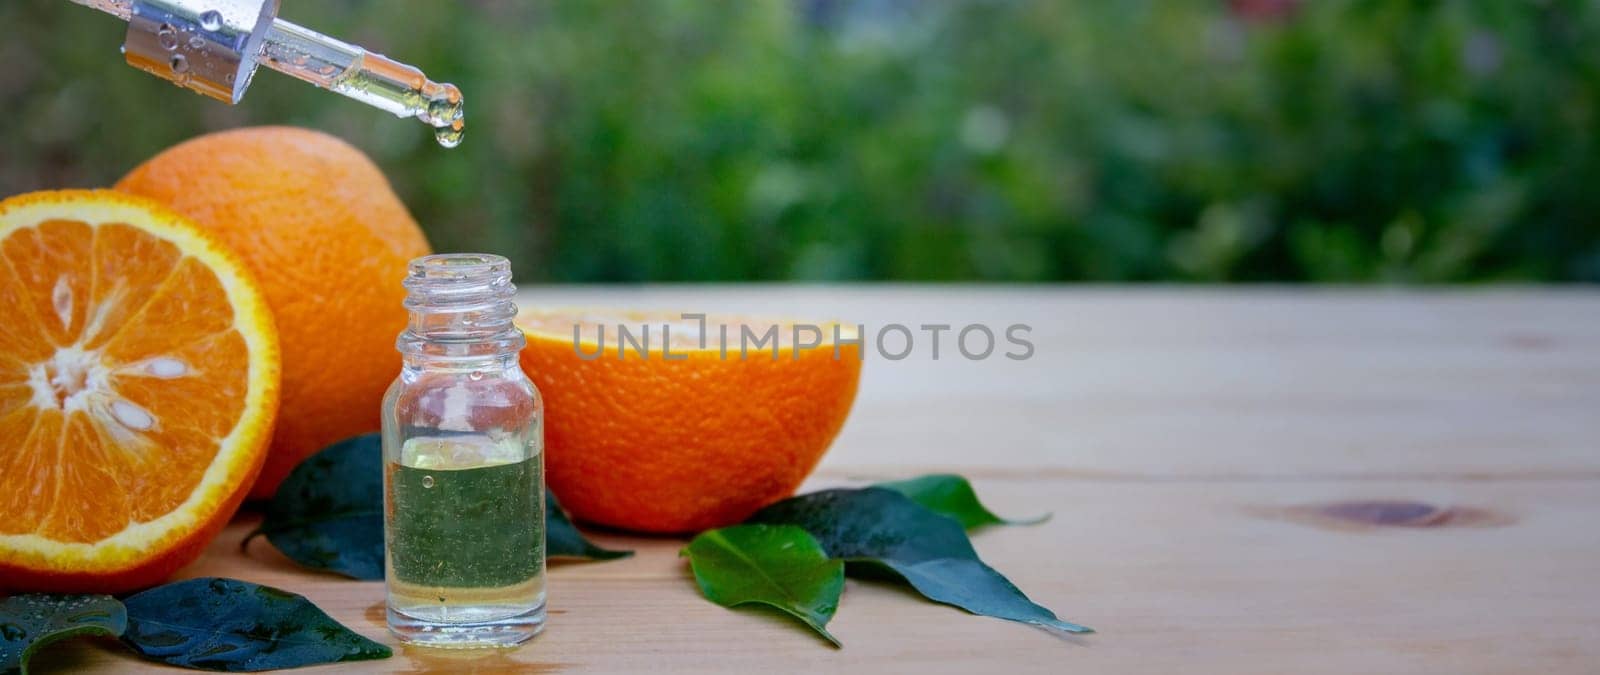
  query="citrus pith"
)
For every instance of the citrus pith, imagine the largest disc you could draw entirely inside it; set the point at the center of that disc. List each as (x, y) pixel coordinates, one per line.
(700, 440)
(138, 386)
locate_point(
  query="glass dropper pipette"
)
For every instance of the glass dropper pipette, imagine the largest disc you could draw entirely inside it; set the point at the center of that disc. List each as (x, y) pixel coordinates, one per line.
(213, 47)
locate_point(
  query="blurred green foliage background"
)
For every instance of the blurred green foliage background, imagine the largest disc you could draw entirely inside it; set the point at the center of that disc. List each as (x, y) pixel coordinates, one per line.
(1360, 140)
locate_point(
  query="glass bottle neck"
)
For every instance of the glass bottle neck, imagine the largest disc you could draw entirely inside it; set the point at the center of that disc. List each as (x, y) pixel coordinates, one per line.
(461, 313)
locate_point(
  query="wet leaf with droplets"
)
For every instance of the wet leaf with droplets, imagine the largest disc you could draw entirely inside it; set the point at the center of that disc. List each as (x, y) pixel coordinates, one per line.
(888, 531)
(782, 566)
(237, 626)
(31, 621)
(951, 495)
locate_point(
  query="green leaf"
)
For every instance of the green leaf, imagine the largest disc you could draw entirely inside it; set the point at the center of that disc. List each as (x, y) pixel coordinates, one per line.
(777, 565)
(563, 540)
(238, 626)
(29, 622)
(328, 514)
(951, 495)
(930, 551)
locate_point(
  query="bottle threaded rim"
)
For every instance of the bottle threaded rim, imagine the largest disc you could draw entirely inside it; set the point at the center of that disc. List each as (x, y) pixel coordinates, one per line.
(459, 297)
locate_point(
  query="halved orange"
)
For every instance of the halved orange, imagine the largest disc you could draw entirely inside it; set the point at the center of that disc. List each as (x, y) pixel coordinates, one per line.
(138, 385)
(692, 437)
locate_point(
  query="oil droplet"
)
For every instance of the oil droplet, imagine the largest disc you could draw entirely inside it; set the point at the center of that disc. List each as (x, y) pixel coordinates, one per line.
(197, 42)
(450, 136)
(211, 20)
(122, 49)
(427, 482)
(445, 107)
(167, 36)
(475, 375)
(179, 64)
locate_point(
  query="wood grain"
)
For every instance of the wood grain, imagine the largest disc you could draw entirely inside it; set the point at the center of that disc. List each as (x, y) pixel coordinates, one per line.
(1258, 481)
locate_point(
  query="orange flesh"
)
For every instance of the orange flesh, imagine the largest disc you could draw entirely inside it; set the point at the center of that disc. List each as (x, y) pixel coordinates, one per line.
(121, 370)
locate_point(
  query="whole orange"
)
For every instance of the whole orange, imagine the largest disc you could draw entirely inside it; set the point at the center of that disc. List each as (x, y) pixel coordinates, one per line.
(318, 224)
(650, 444)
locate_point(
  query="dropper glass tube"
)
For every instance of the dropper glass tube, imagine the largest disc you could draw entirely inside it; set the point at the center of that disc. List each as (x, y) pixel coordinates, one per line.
(373, 79)
(293, 50)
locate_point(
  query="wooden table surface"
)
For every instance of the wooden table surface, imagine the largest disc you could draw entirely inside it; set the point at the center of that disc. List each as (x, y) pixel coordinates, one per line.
(1195, 446)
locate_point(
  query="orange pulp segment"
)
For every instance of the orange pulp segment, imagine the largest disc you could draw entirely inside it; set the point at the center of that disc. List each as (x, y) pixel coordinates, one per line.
(138, 385)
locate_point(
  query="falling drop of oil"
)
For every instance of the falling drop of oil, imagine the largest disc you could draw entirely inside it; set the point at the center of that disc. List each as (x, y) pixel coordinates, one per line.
(427, 481)
(211, 20)
(450, 136)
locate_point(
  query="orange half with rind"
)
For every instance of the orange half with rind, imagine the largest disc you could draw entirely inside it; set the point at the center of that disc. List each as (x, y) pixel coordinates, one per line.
(685, 424)
(139, 372)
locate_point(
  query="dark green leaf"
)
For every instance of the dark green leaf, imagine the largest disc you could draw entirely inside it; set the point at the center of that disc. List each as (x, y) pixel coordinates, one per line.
(562, 538)
(777, 565)
(928, 550)
(328, 514)
(29, 622)
(232, 625)
(951, 495)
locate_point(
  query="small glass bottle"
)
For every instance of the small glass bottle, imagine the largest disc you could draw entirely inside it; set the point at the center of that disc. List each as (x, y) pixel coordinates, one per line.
(463, 456)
